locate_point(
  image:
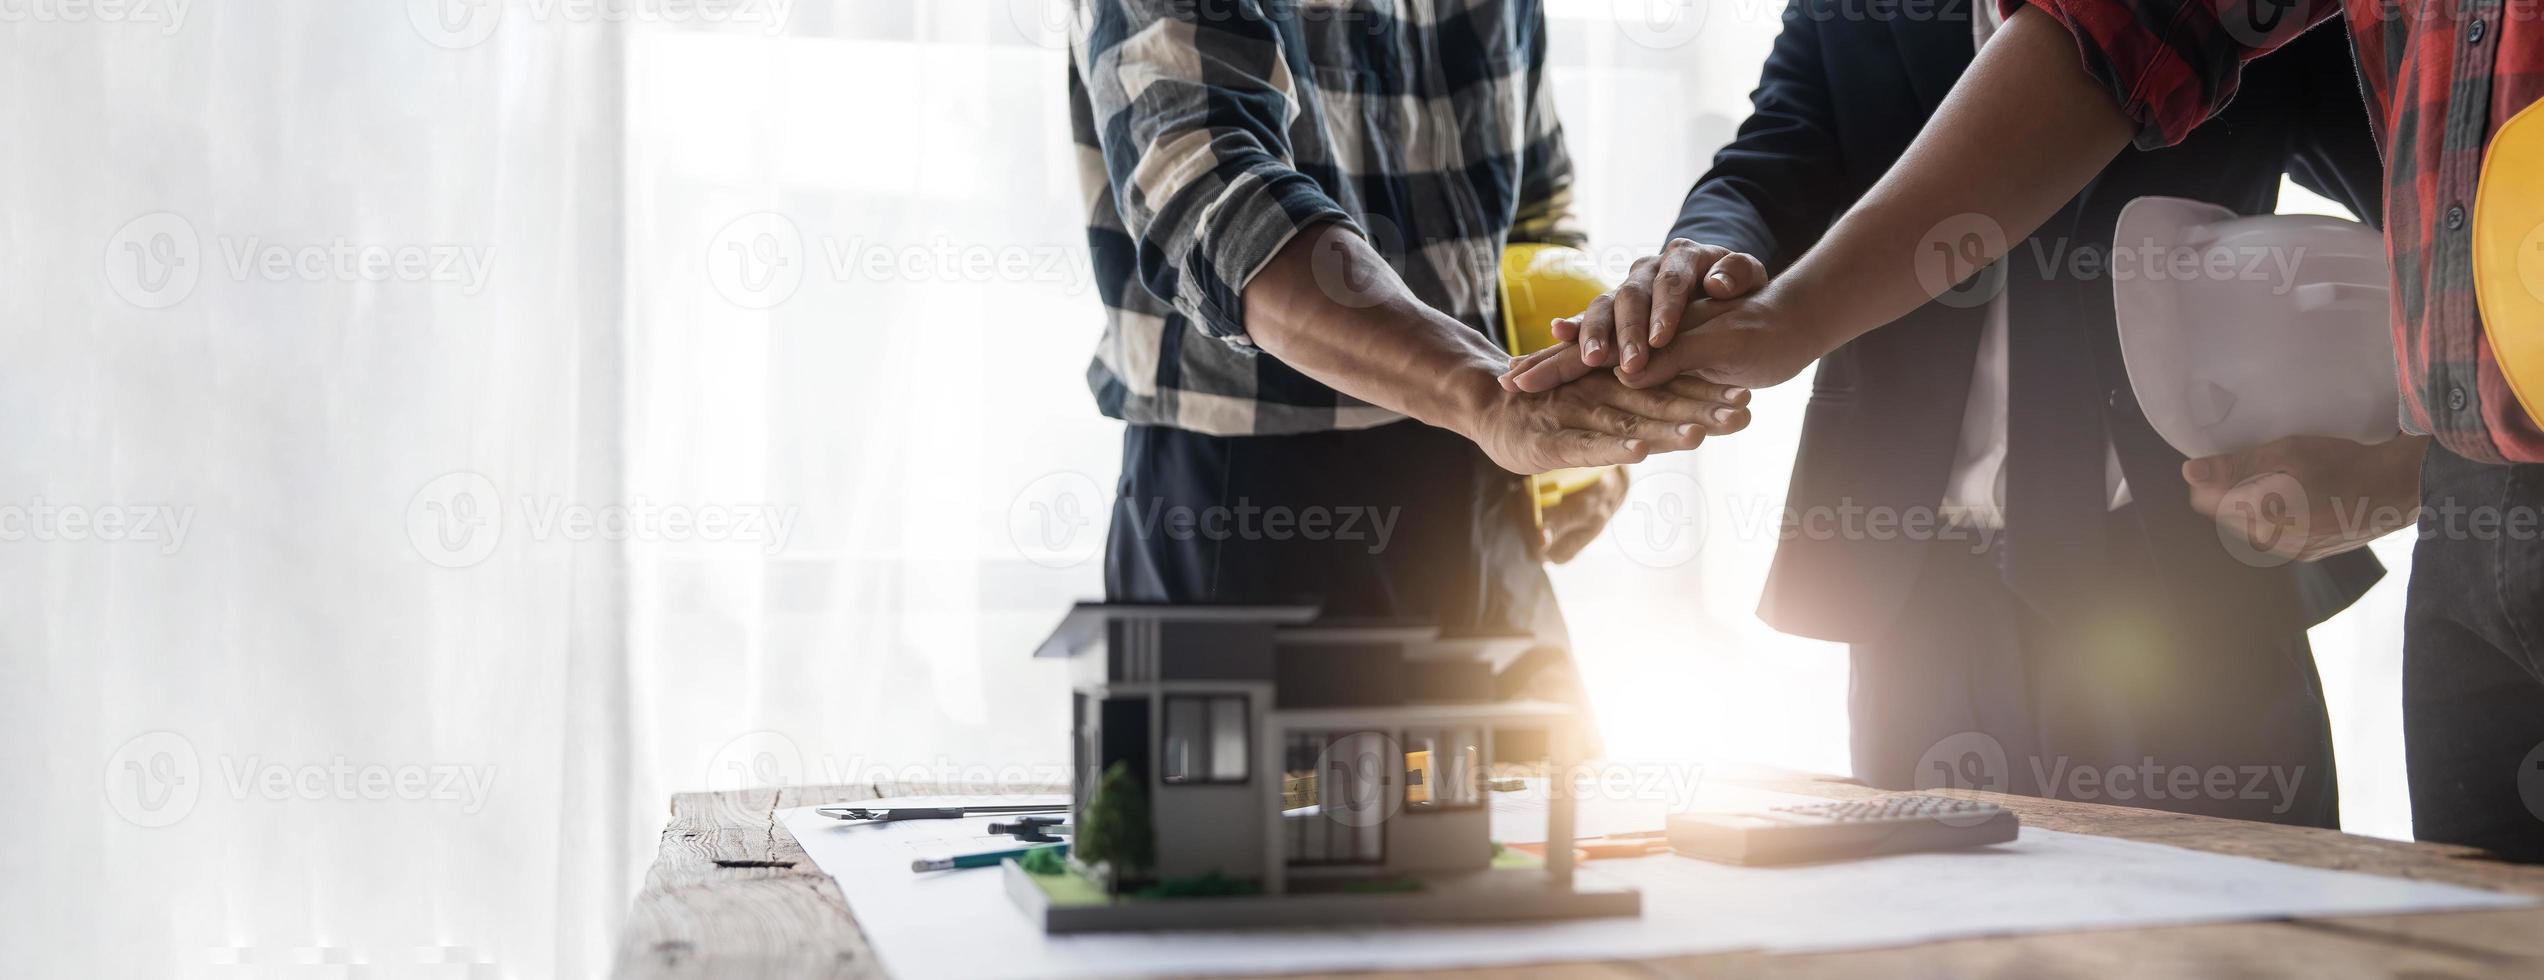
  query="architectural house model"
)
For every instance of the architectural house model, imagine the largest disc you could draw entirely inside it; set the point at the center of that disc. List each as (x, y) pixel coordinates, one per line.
(1253, 765)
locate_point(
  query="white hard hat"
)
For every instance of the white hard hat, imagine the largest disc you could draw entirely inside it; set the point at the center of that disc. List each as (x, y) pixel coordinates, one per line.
(2238, 331)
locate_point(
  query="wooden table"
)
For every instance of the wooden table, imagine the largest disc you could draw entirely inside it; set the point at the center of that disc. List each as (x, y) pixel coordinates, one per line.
(731, 895)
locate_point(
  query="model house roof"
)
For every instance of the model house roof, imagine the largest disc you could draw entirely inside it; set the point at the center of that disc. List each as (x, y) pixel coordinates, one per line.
(1084, 626)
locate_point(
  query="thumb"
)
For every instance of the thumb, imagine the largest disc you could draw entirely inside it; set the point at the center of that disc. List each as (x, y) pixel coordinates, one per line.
(1736, 274)
(2211, 477)
(1567, 328)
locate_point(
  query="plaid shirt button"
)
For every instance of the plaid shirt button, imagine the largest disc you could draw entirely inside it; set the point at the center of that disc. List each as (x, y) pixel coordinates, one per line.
(2455, 217)
(2455, 398)
(2473, 32)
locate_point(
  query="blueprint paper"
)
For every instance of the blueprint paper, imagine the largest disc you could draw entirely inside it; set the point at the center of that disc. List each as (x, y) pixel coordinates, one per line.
(960, 924)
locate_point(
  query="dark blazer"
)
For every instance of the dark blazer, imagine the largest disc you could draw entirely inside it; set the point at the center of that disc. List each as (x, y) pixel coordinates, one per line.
(1841, 97)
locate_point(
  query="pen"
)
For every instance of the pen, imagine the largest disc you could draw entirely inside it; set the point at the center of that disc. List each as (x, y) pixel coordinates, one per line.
(983, 859)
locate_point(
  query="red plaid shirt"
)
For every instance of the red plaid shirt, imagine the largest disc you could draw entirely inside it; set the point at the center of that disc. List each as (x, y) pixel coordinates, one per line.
(2440, 76)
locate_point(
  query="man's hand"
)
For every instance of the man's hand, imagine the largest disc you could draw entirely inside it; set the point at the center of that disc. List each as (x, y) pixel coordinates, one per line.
(1599, 422)
(1576, 520)
(1329, 306)
(1622, 328)
(2309, 497)
(1745, 343)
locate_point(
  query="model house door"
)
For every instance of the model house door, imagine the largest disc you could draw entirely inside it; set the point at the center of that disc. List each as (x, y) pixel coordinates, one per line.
(1339, 790)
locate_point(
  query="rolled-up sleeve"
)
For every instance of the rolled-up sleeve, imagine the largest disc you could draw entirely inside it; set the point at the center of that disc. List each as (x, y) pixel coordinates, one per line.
(1192, 104)
(2169, 64)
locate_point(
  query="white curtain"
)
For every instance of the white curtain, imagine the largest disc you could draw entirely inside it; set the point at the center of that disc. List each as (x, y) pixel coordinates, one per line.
(273, 270)
(539, 409)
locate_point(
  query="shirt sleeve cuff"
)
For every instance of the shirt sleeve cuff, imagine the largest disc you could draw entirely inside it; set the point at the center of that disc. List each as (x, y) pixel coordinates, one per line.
(2132, 59)
(1241, 231)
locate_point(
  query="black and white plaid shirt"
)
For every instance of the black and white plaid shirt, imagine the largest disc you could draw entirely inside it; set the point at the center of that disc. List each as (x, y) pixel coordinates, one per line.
(1210, 132)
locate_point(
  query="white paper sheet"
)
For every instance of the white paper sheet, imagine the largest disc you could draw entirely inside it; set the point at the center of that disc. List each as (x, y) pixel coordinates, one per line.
(960, 924)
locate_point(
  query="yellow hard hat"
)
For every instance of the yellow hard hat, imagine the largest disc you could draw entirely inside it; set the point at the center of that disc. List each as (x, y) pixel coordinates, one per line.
(2508, 254)
(1539, 283)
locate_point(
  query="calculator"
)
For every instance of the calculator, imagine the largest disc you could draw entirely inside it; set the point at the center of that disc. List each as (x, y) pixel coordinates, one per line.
(1841, 829)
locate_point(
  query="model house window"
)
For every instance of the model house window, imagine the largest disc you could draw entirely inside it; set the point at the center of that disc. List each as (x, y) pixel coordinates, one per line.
(1443, 768)
(1207, 739)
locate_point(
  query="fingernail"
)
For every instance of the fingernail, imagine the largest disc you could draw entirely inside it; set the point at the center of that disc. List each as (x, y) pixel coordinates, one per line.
(2198, 469)
(1688, 431)
(1737, 394)
(1722, 415)
(1634, 445)
(1592, 347)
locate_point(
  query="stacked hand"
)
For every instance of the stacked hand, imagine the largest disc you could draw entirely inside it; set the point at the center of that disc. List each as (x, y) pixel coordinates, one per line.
(1691, 310)
(1601, 422)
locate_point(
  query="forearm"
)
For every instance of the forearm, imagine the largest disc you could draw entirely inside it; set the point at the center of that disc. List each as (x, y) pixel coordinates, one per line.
(2023, 131)
(1329, 306)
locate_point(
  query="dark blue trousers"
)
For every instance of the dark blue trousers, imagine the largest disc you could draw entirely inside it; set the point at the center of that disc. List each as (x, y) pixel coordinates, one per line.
(2127, 701)
(2473, 657)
